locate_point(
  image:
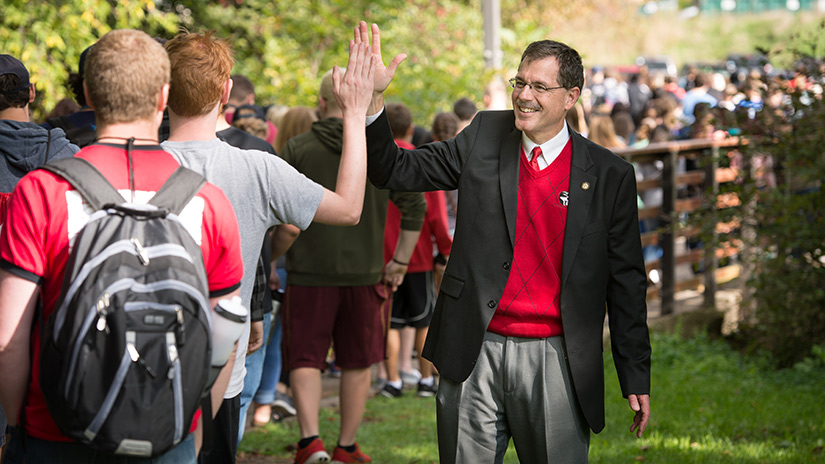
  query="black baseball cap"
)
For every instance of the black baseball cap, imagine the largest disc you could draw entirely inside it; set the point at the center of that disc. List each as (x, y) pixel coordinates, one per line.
(11, 65)
(81, 65)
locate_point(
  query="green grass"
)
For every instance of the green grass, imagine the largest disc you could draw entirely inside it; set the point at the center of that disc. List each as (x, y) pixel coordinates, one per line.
(709, 406)
(712, 406)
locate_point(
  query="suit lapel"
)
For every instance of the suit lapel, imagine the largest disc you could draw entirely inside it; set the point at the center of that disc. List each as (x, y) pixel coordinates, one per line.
(508, 179)
(582, 189)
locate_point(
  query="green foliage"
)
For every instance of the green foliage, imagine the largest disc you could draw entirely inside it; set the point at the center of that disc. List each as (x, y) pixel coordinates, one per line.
(442, 68)
(788, 256)
(806, 40)
(285, 49)
(785, 219)
(48, 37)
(813, 364)
(782, 207)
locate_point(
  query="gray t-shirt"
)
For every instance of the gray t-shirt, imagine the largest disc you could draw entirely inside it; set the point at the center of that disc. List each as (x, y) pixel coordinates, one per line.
(264, 191)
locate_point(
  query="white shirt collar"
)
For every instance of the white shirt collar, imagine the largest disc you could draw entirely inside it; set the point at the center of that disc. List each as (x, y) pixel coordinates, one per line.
(550, 149)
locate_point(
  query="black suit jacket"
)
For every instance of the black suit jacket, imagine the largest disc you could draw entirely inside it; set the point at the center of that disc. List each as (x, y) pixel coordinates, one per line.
(602, 265)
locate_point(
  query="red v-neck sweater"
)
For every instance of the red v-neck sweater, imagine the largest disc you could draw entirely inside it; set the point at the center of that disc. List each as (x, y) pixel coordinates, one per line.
(531, 306)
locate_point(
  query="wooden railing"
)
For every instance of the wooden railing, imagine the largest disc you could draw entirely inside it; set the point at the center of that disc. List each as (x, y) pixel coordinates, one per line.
(674, 217)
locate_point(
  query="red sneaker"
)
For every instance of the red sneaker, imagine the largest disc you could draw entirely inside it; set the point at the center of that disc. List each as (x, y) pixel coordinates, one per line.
(312, 454)
(342, 456)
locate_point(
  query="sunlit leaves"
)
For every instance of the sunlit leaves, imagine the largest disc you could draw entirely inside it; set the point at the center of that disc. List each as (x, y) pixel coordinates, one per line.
(49, 36)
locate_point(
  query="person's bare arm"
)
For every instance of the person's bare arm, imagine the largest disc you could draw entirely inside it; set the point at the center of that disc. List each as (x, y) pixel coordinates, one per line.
(396, 268)
(18, 299)
(219, 387)
(283, 237)
(256, 337)
(413, 208)
(353, 92)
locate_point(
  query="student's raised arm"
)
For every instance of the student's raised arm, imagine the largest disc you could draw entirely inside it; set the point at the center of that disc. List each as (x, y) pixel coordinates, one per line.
(353, 92)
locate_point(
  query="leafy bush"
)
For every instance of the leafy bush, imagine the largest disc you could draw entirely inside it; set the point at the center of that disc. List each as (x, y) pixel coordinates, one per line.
(783, 212)
(285, 47)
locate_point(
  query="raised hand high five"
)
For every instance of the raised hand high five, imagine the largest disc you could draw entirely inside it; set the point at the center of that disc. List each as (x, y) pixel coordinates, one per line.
(383, 73)
(353, 90)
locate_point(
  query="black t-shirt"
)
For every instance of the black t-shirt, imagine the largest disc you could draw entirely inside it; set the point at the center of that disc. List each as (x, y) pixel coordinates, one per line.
(244, 140)
(80, 127)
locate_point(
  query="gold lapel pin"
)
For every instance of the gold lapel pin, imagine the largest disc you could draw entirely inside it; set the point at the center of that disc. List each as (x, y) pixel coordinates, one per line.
(585, 185)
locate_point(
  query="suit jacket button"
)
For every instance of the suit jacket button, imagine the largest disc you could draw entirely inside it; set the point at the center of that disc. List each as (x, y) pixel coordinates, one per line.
(506, 266)
(491, 304)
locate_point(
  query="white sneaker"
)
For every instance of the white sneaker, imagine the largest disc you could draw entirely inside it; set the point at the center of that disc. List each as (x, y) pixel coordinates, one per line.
(283, 405)
(410, 378)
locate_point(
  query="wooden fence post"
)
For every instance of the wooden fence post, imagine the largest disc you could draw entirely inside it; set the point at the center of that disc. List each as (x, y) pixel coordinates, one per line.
(667, 238)
(710, 260)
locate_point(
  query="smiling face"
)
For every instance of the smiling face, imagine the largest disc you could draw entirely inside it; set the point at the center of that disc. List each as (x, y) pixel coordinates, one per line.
(541, 116)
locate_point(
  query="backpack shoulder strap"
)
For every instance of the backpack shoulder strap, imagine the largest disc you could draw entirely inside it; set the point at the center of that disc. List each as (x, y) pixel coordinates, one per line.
(176, 192)
(86, 179)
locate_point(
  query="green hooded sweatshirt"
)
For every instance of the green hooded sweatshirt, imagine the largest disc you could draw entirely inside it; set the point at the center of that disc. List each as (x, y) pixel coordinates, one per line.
(342, 256)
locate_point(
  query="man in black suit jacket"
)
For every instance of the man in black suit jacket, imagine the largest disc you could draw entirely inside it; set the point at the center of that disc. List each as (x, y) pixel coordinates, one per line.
(544, 388)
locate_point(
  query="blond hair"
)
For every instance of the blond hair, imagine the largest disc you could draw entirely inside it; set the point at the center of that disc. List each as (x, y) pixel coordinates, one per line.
(124, 73)
(603, 132)
(326, 90)
(254, 126)
(295, 121)
(201, 66)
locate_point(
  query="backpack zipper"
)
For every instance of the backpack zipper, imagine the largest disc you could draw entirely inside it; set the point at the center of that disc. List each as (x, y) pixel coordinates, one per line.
(121, 246)
(134, 286)
(177, 386)
(109, 401)
(103, 312)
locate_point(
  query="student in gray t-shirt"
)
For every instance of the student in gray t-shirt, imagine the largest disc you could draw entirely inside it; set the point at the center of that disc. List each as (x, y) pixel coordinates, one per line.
(264, 190)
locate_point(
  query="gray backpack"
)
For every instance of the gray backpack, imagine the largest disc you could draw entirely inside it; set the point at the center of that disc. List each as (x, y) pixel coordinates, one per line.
(125, 355)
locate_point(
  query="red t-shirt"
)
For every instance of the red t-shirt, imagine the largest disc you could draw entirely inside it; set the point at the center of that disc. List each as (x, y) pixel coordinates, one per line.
(4, 203)
(531, 303)
(434, 231)
(45, 213)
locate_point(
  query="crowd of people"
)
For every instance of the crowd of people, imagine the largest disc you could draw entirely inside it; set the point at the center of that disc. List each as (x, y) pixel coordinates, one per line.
(342, 260)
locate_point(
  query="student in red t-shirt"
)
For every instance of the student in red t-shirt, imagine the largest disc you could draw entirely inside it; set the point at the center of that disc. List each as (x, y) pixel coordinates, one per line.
(127, 76)
(414, 300)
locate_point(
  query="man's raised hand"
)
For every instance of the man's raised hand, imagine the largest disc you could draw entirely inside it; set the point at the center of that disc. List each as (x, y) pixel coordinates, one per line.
(383, 73)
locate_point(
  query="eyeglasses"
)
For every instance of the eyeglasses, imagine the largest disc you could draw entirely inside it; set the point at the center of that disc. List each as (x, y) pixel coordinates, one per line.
(540, 89)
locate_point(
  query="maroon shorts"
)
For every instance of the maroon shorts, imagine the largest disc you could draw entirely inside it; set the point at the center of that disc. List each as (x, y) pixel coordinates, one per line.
(354, 319)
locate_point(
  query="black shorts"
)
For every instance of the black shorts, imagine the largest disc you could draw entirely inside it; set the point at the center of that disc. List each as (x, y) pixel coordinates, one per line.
(414, 301)
(223, 445)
